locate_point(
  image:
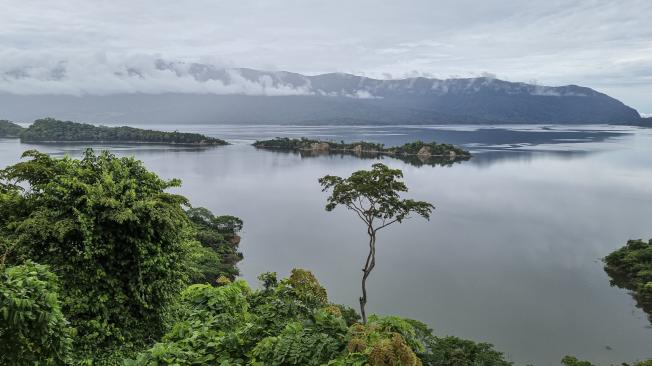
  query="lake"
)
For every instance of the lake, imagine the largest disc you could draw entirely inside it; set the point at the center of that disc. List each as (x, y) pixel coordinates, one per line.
(511, 255)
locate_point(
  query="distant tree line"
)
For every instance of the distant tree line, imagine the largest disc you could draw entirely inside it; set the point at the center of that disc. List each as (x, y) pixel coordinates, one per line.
(10, 129)
(52, 130)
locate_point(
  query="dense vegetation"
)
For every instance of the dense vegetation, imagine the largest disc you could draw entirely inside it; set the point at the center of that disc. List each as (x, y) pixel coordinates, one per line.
(100, 265)
(630, 267)
(10, 129)
(290, 322)
(413, 148)
(122, 248)
(218, 253)
(416, 153)
(33, 330)
(52, 130)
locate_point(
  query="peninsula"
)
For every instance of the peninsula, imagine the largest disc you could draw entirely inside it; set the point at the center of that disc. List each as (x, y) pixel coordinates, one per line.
(49, 130)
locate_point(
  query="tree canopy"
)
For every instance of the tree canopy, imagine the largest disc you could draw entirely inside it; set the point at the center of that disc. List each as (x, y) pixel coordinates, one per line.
(374, 196)
(10, 129)
(630, 267)
(290, 323)
(113, 235)
(52, 130)
(33, 330)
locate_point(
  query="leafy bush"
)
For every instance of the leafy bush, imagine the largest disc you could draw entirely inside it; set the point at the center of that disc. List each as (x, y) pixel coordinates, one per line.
(289, 322)
(630, 267)
(218, 253)
(114, 237)
(33, 330)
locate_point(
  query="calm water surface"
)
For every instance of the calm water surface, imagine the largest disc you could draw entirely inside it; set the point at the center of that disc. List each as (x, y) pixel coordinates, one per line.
(511, 255)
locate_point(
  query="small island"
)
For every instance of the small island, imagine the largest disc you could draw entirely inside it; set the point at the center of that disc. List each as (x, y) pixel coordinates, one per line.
(10, 129)
(415, 153)
(50, 130)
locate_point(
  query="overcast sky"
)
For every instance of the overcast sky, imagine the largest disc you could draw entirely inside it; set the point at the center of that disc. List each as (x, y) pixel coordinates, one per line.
(603, 44)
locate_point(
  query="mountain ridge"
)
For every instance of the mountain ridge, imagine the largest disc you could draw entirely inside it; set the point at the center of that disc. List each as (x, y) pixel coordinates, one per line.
(209, 94)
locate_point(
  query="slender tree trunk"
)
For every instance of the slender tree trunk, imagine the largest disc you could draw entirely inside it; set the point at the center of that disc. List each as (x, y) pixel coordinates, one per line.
(368, 267)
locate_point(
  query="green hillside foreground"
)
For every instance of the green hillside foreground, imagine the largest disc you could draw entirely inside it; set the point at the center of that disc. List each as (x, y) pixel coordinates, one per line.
(52, 130)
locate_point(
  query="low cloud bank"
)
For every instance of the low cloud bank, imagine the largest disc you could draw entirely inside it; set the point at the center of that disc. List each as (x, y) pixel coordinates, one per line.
(102, 75)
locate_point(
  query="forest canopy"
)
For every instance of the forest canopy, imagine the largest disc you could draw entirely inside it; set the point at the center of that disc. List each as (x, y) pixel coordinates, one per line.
(52, 130)
(630, 267)
(10, 129)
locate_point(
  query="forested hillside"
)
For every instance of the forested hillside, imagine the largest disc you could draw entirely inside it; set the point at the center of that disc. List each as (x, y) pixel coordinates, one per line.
(9, 129)
(52, 130)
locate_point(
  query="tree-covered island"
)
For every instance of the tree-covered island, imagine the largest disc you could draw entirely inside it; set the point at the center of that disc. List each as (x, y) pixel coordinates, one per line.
(49, 130)
(413, 149)
(10, 129)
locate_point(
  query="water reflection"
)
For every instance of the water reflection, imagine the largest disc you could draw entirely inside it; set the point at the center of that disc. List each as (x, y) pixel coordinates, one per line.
(511, 255)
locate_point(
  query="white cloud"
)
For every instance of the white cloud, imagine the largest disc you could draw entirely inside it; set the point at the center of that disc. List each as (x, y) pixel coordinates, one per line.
(602, 44)
(102, 75)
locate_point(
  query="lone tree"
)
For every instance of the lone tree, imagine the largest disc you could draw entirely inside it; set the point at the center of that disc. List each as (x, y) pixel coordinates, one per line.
(374, 196)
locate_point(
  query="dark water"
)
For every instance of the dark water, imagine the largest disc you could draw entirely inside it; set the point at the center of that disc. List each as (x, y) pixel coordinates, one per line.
(511, 255)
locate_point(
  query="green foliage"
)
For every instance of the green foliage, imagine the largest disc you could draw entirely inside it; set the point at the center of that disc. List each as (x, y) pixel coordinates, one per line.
(280, 325)
(630, 267)
(52, 130)
(217, 253)
(573, 361)
(203, 264)
(310, 345)
(33, 330)
(306, 287)
(374, 194)
(231, 325)
(453, 351)
(382, 342)
(111, 233)
(10, 129)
